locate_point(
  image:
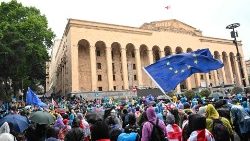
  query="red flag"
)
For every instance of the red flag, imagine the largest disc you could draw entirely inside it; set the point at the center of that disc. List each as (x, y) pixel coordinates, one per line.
(168, 7)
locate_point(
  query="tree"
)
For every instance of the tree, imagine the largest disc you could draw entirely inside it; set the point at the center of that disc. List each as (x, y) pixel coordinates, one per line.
(248, 90)
(205, 93)
(189, 94)
(24, 40)
(236, 90)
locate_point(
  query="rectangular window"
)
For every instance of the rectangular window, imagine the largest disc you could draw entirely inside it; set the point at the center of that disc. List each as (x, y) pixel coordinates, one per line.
(113, 77)
(99, 77)
(98, 53)
(210, 77)
(99, 88)
(114, 88)
(99, 66)
(122, 87)
(113, 67)
(135, 78)
(202, 77)
(134, 67)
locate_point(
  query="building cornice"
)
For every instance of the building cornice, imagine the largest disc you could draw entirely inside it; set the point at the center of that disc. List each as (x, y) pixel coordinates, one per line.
(104, 26)
(218, 40)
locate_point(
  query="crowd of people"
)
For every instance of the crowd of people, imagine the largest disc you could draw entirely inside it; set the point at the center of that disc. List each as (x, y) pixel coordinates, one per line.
(135, 119)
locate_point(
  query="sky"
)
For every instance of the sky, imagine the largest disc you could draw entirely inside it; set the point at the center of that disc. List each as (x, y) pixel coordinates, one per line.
(209, 16)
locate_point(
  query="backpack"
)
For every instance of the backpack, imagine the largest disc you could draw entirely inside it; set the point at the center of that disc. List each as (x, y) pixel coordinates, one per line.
(157, 134)
(220, 131)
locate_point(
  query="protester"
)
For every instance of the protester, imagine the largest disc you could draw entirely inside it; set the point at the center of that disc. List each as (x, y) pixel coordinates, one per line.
(173, 131)
(241, 121)
(211, 116)
(76, 133)
(197, 128)
(148, 127)
(134, 119)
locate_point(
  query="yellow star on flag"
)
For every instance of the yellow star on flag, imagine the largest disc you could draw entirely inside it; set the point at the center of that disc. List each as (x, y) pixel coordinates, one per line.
(196, 61)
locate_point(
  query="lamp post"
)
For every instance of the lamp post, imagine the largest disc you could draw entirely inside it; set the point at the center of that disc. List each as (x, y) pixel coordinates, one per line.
(234, 34)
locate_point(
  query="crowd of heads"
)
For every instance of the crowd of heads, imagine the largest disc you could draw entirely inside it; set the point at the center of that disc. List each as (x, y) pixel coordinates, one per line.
(178, 118)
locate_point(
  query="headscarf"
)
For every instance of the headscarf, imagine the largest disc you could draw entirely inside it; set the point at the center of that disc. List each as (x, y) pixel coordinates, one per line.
(244, 104)
(174, 99)
(183, 100)
(59, 122)
(5, 128)
(170, 119)
(211, 112)
(241, 117)
(202, 110)
(151, 114)
(80, 116)
(180, 106)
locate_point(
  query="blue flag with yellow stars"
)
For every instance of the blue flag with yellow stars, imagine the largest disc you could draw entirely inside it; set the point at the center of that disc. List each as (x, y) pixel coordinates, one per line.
(171, 70)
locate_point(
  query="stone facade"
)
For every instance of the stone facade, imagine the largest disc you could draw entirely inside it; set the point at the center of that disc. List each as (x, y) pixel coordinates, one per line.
(94, 56)
(248, 68)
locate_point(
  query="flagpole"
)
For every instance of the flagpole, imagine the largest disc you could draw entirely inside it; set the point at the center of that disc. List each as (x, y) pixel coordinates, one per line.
(154, 81)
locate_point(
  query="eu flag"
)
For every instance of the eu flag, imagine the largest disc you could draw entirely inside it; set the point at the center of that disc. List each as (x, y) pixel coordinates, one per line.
(33, 99)
(169, 71)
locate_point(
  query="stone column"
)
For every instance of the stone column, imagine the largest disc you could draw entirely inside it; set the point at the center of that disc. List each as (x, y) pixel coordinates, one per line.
(216, 81)
(63, 81)
(124, 68)
(150, 56)
(222, 72)
(93, 68)
(138, 66)
(151, 61)
(178, 88)
(244, 71)
(61, 78)
(75, 69)
(109, 68)
(188, 83)
(197, 79)
(237, 72)
(162, 54)
(207, 79)
(230, 70)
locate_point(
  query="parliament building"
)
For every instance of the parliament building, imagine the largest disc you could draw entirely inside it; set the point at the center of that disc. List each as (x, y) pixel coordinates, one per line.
(93, 56)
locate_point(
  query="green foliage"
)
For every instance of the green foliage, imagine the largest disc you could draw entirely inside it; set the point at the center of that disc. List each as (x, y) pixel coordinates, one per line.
(24, 40)
(171, 94)
(205, 93)
(236, 90)
(248, 90)
(189, 94)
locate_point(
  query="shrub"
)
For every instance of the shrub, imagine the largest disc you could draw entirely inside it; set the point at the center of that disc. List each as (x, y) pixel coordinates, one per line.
(205, 93)
(236, 90)
(189, 94)
(247, 90)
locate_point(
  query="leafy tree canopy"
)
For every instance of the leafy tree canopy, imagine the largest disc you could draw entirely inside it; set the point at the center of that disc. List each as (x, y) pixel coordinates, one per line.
(236, 90)
(189, 94)
(24, 40)
(205, 93)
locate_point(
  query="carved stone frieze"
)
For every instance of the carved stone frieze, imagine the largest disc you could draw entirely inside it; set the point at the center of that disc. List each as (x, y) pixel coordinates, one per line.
(171, 26)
